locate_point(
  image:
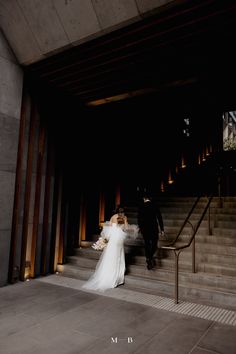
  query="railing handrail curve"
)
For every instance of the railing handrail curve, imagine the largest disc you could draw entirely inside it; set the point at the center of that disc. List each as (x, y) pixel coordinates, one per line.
(178, 249)
(171, 245)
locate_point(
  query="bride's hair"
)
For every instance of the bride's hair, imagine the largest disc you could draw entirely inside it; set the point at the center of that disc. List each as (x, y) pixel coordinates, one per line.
(120, 220)
(121, 215)
(120, 210)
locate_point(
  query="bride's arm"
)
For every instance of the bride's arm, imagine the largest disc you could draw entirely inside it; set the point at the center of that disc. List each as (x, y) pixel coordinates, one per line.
(126, 221)
(113, 219)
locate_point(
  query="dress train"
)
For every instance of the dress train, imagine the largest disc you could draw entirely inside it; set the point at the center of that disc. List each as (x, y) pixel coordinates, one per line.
(110, 269)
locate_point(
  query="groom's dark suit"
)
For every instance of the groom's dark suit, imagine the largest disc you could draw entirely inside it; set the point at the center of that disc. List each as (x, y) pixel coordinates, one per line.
(149, 221)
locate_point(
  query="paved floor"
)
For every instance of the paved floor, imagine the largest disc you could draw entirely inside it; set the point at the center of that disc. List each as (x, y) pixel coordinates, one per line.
(53, 315)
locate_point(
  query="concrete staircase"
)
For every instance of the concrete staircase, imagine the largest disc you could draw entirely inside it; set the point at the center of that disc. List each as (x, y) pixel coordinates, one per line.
(214, 283)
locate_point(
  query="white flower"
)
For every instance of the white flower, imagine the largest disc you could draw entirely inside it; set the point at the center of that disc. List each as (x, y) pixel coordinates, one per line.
(100, 244)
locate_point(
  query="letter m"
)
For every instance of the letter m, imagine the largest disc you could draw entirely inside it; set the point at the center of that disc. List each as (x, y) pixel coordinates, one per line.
(114, 340)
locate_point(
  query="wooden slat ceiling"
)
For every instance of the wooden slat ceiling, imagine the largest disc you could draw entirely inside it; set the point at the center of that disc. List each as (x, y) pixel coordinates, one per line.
(177, 47)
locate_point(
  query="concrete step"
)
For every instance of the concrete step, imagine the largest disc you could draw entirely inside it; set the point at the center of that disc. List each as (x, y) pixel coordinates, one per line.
(221, 239)
(173, 219)
(187, 202)
(229, 204)
(201, 257)
(178, 222)
(216, 248)
(208, 263)
(208, 280)
(220, 246)
(218, 231)
(229, 199)
(226, 224)
(226, 217)
(182, 209)
(226, 210)
(210, 256)
(180, 216)
(205, 244)
(83, 262)
(188, 229)
(164, 198)
(185, 264)
(188, 293)
(176, 201)
(188, 290)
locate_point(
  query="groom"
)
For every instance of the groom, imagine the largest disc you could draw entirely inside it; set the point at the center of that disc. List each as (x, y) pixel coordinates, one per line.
(149, 221)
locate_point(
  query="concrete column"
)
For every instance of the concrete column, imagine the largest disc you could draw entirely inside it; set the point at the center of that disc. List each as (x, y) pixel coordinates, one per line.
(11, 82)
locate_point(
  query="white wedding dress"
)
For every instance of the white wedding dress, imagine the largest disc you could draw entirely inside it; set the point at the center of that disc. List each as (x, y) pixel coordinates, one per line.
(110, 268)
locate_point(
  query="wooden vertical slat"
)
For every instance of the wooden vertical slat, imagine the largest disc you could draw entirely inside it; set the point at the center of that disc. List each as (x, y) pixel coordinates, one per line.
(32, 132)
(41, 149)
(61, 244)
(117, 201)
(82, 224)
(57, 222)
(55, 209)
(101, 207)
(47, 202)
(18, 185)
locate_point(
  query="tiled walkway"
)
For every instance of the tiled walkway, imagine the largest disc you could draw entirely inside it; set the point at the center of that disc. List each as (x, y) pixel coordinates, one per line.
(52, 315)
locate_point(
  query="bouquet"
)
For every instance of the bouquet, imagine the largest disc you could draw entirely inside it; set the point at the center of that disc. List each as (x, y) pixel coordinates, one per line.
(100, 244)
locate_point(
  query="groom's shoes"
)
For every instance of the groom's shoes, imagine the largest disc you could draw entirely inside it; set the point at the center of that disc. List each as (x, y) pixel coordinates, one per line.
(150, 264)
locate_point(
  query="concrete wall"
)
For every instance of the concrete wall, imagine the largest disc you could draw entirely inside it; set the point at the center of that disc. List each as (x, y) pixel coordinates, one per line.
(11, 80)
(36, 29)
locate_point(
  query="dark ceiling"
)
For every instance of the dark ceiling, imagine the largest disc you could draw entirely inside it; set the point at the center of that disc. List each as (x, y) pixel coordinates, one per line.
(191, 44)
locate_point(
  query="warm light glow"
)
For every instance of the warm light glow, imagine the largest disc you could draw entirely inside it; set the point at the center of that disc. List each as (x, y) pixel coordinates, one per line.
(85, 244)
(27, 274)
(82, 227)
(199, 159)
(120, 97)
(60, 268)
(203, 156)
(170, 180)
(27, 270)
(117, 201)
(183, 164)
(162, 187)
(101, 208)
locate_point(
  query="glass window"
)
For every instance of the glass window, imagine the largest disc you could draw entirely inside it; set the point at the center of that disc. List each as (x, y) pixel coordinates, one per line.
(229, 130)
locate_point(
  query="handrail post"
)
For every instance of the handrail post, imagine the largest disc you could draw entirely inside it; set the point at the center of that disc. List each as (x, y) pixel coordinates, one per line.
(176, 277)
(209, 221)
(219, 186)
(177, 250)
(193, 256)
(219, 191)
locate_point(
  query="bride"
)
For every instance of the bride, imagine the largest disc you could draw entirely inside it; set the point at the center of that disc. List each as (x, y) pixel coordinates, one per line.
(110, 269)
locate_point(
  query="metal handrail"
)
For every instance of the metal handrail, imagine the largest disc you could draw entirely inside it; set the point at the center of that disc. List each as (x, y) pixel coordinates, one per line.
(185, 222)
(177, 250)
